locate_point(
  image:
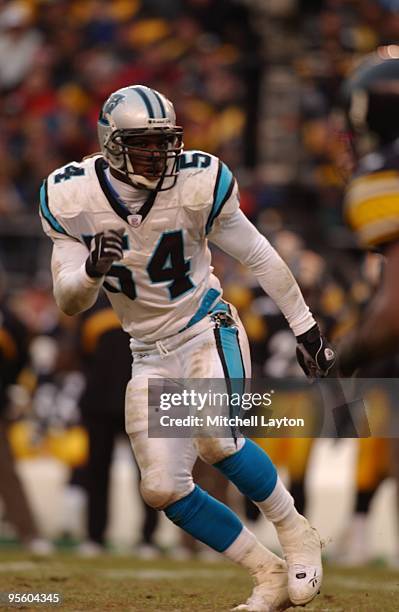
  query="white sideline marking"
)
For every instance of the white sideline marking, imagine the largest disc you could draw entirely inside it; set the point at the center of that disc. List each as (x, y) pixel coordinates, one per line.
(160, 574)
(176, 574)
(144, 574)
(363, 585)
(17, 566)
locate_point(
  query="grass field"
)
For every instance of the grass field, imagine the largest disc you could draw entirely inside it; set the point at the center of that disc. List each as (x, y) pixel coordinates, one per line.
(129, 585)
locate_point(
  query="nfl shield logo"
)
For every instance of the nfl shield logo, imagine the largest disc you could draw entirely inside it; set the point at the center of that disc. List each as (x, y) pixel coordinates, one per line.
(134, 220)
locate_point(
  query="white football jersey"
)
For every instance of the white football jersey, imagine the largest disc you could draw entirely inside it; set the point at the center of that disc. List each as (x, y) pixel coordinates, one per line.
(164, 281)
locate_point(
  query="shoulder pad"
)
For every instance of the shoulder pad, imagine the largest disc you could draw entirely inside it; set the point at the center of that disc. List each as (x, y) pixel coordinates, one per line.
(196, 161)
(63, 193)
(206, 182)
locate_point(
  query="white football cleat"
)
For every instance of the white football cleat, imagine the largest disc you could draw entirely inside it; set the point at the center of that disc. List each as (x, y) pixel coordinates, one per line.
(271, 593)
(40, 547)
(147, 551)
(302, 551)
(90, 549)
(352, 548)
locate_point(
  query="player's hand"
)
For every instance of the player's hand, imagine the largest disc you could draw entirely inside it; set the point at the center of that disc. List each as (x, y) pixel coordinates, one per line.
(106, 248)
(314, 354)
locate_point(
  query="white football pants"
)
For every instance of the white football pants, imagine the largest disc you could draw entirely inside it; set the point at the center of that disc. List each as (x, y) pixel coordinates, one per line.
(201, 351)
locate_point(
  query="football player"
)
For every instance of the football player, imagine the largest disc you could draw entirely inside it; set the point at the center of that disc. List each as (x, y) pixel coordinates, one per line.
(136, 220)
(371, 95)
(14, 356)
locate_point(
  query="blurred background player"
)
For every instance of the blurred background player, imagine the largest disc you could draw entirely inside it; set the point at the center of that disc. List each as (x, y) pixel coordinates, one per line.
(371, 95)
(13, 358)
(106, 360)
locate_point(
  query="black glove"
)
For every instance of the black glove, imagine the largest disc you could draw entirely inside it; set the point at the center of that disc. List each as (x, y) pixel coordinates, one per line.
(314, 354)
(106, 247)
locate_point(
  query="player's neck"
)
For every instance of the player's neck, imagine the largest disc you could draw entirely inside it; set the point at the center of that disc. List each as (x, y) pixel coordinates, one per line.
(127, 193)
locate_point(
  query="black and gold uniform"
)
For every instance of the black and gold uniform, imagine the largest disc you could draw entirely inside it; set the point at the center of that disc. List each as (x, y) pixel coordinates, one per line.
(372, 198)
(371, 209)
(107, 363)
(13, 357)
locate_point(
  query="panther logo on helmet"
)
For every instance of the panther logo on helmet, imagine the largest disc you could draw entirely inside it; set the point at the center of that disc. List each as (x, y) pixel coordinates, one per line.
(112, 103)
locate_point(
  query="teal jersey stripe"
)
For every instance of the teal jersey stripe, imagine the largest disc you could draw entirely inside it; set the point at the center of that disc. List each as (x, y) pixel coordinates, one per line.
(223, 188)
(46, 212)
(221, 306)
(210, 296)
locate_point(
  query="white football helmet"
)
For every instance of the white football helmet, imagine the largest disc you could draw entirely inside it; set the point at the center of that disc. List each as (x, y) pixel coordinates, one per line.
(127, 118)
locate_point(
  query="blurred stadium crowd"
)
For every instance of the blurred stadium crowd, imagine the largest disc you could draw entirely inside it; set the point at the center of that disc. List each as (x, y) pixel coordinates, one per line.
(59, 59)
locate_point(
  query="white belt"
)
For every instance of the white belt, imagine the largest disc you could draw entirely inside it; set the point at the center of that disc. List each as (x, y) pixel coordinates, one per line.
(171, 343)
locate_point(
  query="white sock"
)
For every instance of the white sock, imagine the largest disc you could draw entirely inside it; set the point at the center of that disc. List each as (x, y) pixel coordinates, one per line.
(246, 550)
(280, 510)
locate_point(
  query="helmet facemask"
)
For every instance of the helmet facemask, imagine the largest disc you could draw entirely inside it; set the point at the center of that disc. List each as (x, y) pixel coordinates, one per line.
(147, 158)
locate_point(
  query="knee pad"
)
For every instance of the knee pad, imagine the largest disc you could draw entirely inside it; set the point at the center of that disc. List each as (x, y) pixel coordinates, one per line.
(159, 489)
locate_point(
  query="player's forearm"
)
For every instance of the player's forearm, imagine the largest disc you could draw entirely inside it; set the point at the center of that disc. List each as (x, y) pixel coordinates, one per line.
(282, 287)
(377, 334)
(241, 239)
(75, 292)
(375, 337)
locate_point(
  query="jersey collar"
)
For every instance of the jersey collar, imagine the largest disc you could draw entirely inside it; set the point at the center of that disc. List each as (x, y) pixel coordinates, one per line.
(113, 198)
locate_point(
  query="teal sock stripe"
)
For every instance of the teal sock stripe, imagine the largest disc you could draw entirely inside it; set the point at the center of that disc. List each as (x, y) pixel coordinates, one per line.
(251, 470)
(206, 519)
